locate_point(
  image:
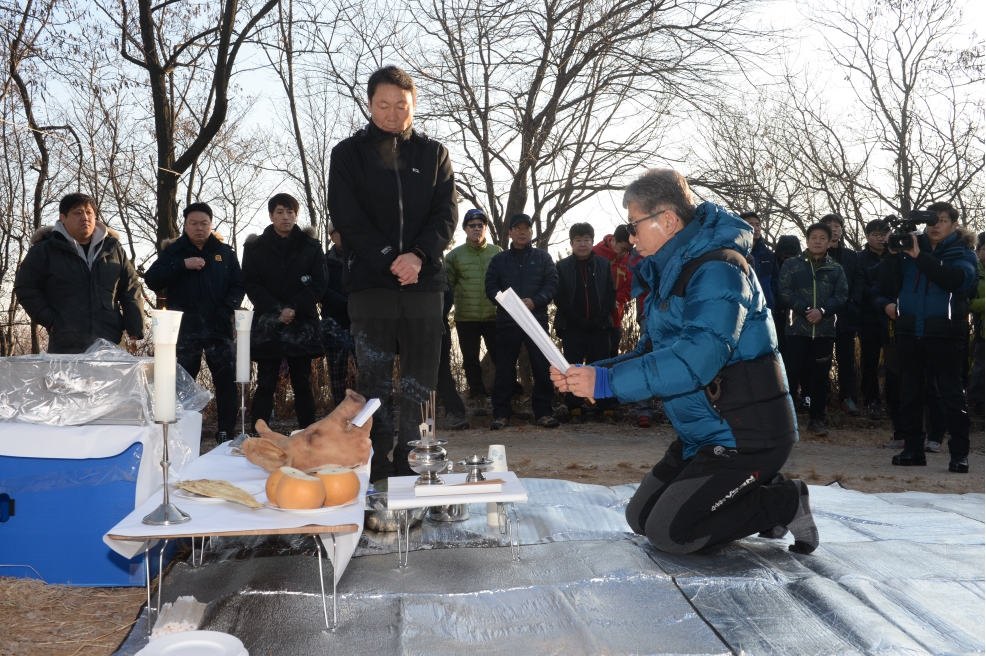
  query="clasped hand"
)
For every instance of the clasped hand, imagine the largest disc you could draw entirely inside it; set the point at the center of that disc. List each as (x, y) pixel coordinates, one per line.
(406, 268)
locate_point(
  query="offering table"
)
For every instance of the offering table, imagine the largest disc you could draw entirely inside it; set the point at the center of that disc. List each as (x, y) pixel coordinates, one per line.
(214, 517)
(401, 497)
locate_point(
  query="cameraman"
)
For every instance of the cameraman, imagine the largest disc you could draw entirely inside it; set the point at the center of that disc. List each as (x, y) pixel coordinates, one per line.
(923, 291)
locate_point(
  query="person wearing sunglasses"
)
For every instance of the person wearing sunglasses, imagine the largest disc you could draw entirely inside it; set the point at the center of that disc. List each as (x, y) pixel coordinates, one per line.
(710, 354)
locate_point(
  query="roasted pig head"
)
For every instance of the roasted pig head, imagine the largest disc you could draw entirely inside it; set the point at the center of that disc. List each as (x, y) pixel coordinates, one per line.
(329, 441)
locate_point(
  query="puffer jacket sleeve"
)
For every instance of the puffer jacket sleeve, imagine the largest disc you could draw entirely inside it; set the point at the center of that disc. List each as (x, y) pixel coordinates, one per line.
(253, 281)
(307, 299)
(443, 213)
(165, 270)
(234, 286)
(840, 292)
(549, 282)
(715, 307)
(29, 286)
(452, 269)
(493, 277)
(130, 295)
(787, 288)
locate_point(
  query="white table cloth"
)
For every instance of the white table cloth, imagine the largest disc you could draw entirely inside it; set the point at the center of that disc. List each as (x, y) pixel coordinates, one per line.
(94, 441)
(210, 517)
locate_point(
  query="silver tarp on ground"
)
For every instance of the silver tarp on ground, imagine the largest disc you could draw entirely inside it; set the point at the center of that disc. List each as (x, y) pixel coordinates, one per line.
(896, 574)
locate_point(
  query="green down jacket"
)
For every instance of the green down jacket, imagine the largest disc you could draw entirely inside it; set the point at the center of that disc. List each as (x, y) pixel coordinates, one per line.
(803, 287)
(466, 267)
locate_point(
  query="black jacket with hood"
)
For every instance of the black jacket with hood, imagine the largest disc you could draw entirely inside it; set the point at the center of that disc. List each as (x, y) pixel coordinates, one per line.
(391, 194)
(207, 296)
(80, 297)
(281, 273)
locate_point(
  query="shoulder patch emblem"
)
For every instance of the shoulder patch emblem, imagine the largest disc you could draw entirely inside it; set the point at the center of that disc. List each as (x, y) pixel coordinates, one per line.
(219, 258)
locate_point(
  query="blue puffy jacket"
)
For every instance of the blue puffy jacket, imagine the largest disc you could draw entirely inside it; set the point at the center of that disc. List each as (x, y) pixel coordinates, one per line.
(694, 342)
(530, 272)
(932, 292)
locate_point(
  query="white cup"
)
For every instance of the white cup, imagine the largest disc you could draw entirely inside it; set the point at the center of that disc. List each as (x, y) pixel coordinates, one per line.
(244, 319)
(498, 455)
(164, 326)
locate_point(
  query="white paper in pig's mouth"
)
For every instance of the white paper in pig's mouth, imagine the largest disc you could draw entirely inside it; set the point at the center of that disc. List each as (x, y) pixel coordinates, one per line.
(367, 411)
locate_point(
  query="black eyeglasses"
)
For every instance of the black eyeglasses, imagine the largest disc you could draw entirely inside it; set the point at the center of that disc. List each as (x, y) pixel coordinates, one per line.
(632, 225)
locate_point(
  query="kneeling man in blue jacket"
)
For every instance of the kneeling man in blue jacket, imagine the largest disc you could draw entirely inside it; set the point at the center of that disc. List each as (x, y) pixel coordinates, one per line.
(709, 351)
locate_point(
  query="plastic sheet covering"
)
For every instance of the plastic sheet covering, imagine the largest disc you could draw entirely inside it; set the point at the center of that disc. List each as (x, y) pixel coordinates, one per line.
(104, 385)
(895, 574)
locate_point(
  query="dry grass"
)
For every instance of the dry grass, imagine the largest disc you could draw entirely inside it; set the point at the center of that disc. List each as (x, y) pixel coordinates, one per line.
(55, 620)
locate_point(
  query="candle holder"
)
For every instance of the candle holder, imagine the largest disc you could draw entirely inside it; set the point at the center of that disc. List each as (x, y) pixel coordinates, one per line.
(238, 442)
(167, 513)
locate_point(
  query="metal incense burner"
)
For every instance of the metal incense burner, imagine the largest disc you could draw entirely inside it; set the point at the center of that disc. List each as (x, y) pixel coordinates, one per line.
(459, 512)
(428, 457)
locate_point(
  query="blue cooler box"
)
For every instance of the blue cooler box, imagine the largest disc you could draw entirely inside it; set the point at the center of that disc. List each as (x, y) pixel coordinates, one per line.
(54, 513)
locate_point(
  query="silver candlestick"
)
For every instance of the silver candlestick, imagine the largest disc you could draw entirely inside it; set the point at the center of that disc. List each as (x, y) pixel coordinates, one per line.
(167, 513)
(238, 442)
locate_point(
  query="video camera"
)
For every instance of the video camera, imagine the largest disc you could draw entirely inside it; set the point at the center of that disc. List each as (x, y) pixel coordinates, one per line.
(901, 238)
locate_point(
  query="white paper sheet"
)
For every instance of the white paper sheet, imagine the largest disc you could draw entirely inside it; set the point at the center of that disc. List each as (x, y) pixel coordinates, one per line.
(510, 302)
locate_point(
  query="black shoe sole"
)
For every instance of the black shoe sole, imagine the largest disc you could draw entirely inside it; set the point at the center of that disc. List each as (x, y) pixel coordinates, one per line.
(958, 469)
(909, 463)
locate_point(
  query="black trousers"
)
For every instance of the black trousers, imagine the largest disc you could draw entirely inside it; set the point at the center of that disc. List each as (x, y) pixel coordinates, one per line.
(268, 371)
(470, 334)
(382, 320)
(845, 355)
(509, 338)
(585, 347)
(447, 391)
(870, 346)
(221, 361)
(718, 496)
(940, 359)
(815, 355)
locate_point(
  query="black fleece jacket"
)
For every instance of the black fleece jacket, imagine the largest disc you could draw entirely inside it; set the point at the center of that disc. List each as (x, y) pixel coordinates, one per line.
(391, 194)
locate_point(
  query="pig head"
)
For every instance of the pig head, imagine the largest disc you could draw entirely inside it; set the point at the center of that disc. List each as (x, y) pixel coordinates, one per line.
(329, 441)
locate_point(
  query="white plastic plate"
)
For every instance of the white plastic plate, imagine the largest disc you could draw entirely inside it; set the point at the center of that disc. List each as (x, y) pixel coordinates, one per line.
(195, 643)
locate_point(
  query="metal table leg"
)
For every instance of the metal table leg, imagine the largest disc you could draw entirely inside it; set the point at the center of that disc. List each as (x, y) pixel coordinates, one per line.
(147, 574)
(403, 526)
(321, 581)
(509, 526)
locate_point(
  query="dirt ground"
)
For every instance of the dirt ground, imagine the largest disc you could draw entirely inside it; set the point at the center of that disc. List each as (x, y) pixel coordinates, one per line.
(42, 620)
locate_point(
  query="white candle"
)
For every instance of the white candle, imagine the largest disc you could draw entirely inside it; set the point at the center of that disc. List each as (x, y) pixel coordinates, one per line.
(164, 327)
(244, 319)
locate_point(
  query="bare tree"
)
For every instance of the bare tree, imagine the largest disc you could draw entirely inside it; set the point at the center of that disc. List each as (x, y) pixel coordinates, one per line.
(913, 69)
(163, 38)
(560, 99)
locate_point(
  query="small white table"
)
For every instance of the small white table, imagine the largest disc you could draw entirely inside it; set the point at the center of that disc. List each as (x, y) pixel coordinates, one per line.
(400, 497)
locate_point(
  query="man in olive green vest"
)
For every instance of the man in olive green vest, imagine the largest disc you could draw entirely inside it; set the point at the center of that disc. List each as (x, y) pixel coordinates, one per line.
(475, 314)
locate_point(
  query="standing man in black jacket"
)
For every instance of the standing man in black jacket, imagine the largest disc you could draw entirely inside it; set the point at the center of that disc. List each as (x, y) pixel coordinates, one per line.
(78, 283)
(199, 275)
(873, 335)
(284, 276)
(585, 300)
(531, 273)
(392, 198)
(847, 317)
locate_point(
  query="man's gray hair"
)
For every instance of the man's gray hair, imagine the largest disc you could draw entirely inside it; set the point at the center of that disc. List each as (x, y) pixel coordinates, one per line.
(659, 187)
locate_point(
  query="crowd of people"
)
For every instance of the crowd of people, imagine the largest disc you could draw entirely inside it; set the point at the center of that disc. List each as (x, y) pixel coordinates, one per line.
(734, 335)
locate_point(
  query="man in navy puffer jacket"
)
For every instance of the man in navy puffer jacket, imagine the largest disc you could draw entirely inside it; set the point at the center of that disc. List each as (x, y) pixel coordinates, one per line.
(531, 273)
(711, 356)
(924, 291)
